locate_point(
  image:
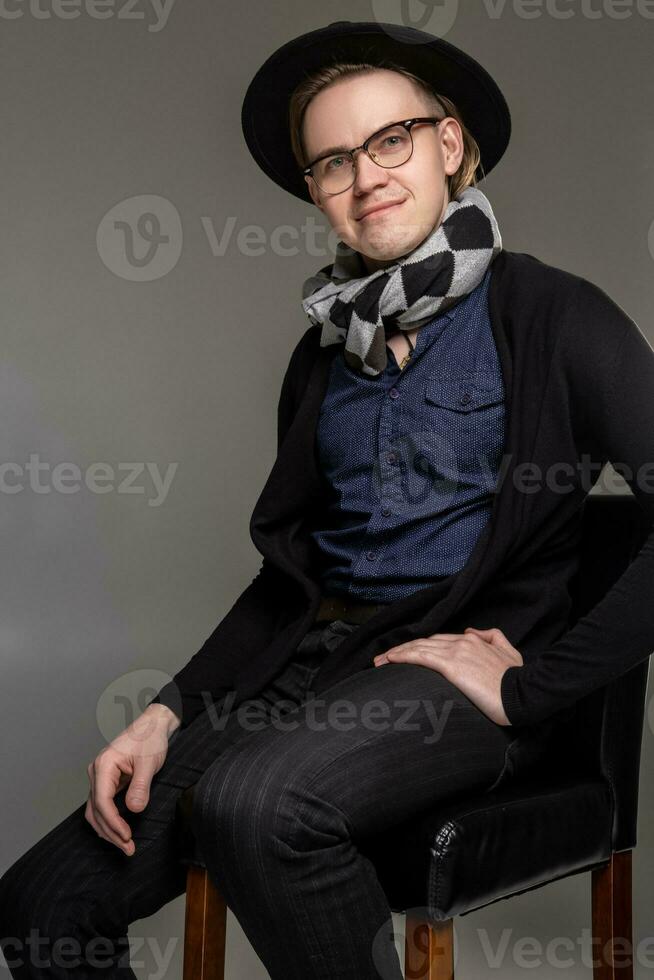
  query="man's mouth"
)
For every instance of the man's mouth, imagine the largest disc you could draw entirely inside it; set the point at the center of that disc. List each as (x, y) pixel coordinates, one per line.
(382, 209)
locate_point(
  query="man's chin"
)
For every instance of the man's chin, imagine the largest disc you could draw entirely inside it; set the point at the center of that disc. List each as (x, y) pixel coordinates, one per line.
(389, 244)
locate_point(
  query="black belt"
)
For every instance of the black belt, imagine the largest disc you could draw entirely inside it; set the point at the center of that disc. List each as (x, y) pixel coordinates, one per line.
(335, 607)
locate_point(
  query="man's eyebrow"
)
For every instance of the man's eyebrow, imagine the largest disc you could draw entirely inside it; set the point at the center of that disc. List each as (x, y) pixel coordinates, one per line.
(344, 149)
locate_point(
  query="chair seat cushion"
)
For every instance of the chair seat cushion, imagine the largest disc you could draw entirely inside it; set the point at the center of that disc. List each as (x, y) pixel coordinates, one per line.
(459, 857)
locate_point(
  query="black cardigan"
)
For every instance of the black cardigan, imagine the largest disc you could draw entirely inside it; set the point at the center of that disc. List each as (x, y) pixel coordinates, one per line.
(579, 384)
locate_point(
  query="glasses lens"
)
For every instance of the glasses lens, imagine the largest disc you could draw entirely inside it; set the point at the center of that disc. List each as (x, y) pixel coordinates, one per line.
(391, 147)
(335, 173)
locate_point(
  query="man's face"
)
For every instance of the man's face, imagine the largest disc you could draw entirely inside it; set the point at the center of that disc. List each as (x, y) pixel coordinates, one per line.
(345, 114)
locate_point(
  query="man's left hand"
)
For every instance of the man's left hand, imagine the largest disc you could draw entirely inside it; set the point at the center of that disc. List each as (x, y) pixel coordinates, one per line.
(474, 661)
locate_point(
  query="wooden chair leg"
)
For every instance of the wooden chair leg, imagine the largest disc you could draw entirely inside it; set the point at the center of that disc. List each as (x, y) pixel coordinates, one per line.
(612, 927)
(428, 949)
(204, 928)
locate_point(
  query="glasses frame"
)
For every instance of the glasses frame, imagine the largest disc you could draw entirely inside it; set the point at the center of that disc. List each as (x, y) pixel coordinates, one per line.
(408, 125)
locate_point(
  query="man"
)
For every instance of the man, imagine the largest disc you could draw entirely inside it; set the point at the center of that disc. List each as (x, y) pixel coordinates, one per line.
(458, 610)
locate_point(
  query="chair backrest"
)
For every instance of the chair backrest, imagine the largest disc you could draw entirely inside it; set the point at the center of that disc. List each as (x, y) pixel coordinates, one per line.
(606, 729)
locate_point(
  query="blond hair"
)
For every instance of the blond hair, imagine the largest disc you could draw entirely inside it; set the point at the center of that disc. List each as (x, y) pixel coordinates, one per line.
(437, 104)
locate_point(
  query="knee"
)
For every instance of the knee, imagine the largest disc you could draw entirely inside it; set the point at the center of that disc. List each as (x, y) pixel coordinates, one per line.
(232, 802)
(25, 924)
(34, 904)
(45, 928)
(236, 807)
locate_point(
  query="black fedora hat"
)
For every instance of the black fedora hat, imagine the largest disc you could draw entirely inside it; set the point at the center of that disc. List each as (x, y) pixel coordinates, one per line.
(448, 70)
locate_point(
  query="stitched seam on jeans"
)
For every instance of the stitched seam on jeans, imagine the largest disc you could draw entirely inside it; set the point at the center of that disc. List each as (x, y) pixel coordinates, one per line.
(290, 840)
(321, 772)
(237, 745)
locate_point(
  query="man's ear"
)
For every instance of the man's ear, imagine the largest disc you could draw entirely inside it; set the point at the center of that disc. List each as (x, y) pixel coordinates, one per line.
(313, 190)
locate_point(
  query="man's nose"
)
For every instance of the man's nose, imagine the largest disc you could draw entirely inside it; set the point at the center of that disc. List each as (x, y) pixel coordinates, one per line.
(367, 173)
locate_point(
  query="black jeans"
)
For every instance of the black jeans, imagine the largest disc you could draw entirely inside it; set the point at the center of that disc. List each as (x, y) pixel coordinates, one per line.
(285, 789)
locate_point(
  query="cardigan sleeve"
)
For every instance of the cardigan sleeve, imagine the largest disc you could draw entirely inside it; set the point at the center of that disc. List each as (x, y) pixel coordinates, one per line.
(610, 367)
(251, 622)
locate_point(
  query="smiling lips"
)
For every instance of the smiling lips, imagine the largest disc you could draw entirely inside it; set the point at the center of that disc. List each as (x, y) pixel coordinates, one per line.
(380, 209)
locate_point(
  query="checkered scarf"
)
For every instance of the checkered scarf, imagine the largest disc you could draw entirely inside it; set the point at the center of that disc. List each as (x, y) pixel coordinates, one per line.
(359, 309)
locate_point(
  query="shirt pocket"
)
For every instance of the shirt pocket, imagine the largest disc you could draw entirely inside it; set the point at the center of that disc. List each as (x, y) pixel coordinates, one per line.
(465, 412)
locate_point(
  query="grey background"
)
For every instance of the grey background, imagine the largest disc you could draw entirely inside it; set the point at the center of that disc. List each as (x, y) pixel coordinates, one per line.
(104, 592)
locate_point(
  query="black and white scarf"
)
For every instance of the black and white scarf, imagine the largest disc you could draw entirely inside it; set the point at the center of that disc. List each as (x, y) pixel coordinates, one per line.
(439, 273)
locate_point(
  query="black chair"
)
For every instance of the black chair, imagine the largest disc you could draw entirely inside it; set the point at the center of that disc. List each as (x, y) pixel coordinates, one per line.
(575, 811)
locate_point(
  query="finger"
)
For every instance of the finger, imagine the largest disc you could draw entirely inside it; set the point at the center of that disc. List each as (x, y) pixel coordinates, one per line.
(99, 824)
(398, 648)
(417, 655)
(120, 838)
(382, 658)
(105, 808)
(89, 816)
(498, 641)
(494, 637)
(108, 834)
(494, 634)
(442, 639)
(101, 829)
(138, 794)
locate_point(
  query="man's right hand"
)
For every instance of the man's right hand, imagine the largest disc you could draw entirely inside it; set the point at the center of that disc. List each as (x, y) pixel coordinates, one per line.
(133, 758)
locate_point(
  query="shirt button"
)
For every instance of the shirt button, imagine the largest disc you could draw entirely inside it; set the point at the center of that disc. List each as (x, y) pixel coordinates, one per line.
(386, 511)
(392, 457)
(371, 555)
(394, 393)
(465, 399)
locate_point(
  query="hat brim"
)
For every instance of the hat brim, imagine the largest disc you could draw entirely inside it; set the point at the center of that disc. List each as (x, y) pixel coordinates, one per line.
(448, 70)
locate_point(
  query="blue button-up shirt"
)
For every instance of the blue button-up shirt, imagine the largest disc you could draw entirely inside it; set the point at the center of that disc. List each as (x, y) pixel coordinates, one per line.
(411, 458)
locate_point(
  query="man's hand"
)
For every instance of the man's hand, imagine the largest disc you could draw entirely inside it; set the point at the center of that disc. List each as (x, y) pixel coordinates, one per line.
(474, 661)
(132, 757)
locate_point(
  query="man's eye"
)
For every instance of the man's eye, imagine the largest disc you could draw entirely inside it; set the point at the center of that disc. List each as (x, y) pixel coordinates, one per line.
(333, 164)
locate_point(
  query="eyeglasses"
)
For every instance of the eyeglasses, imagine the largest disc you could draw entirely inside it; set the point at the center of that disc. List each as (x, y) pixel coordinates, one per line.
(388, 147)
